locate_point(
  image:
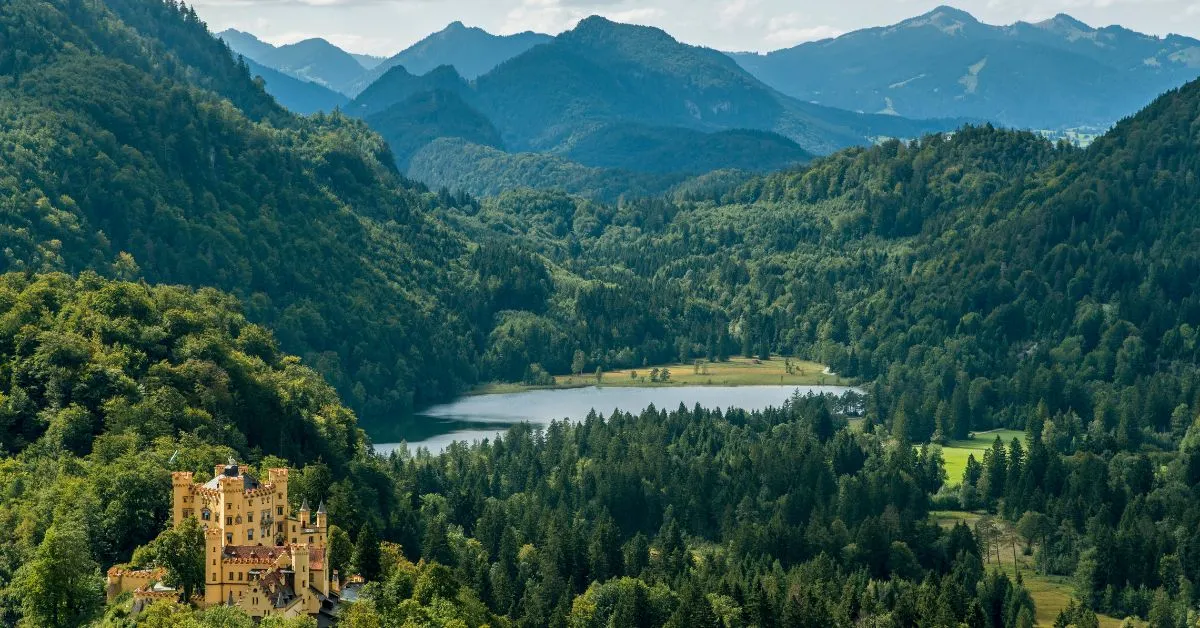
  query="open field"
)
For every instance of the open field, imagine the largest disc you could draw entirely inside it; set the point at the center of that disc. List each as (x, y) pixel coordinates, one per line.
(1051, 594)
(734, 372)
(957, 451)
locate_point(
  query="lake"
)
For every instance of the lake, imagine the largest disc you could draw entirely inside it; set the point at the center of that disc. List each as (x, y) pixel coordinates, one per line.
(473, 419)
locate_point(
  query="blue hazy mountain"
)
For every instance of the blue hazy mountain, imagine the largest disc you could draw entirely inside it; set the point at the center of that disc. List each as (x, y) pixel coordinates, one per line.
(302, 97)
(470, 51)
(1060, 73)
(314, 60)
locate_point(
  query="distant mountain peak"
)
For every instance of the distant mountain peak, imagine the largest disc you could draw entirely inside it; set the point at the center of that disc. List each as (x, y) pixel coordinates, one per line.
(947, 19)
(1066, 25)
(595, 21)
(234, 31)
(314, 41)
(952, 12)
(597, 26)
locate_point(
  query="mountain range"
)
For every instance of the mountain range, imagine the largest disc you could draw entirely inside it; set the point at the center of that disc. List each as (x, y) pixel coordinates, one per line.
(615, 96)
(1055, 74)
(470, 51)
(314, 60)
(609, 95)
(943, 64)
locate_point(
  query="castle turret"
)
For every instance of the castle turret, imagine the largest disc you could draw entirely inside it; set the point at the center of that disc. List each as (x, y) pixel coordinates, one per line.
(322, 518)
(212, 566)
(181, 492)
(300, 566)
(305, 517)
(279, 479)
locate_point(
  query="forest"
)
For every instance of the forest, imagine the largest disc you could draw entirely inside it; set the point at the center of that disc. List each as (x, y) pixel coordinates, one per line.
(192, 273)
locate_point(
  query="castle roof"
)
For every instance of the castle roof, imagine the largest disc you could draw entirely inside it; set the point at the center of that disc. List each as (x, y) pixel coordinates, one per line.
(233, 470)
(253, 553)
(316, 558)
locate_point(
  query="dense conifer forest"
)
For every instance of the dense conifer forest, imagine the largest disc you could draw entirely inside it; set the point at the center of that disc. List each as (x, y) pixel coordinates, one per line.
(193, 274)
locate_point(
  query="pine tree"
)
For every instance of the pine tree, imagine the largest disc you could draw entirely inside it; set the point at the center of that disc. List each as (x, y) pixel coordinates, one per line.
(367, 559)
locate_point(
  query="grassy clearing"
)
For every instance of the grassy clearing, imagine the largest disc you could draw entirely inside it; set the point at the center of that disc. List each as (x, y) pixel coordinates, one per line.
(1051, 594)
(957, 451)
(735, 372)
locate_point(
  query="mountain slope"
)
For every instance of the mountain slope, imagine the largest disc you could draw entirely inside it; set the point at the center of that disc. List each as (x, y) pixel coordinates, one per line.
(469, 50)
(603, 72)
(411, 125)
(306, 220)
(948, 64)
(460, 165)
(398, 85)
(673, 149)
(299, 96)
(313, 60)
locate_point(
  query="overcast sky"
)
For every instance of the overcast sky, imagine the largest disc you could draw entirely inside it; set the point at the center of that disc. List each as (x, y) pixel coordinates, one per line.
(384, 27)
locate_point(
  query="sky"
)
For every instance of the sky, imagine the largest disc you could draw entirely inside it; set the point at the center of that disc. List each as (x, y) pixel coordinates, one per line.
(384, 27)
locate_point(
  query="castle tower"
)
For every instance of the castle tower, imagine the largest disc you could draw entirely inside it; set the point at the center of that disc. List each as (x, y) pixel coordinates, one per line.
(322, 519)
(279, 479)
(212, 566)
(303, 576)
(181, 493)
(232, 488)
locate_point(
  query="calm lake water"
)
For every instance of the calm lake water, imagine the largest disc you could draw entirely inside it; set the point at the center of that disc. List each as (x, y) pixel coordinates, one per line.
(473, 419)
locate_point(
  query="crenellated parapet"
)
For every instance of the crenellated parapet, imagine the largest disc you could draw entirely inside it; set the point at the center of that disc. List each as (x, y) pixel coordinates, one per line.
(120, 580)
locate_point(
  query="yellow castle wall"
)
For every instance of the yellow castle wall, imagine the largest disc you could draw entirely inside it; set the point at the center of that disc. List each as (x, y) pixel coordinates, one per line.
(236, 517)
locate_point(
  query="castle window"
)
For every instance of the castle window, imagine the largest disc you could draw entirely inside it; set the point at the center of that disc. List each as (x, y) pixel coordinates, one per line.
(231, 576)
(249, 517)
(229, 538)
(206, 514)
(239, 576)
(249, 535)
(228, 521)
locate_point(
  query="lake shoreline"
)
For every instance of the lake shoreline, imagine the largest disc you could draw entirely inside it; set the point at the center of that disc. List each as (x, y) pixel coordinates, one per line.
(732, 373)
(473, 418)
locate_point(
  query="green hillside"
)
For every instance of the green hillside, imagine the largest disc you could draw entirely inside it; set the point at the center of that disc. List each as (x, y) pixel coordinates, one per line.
(399, 85)
(413, 124)
(678, 150)
(102, 157)
(480, 170)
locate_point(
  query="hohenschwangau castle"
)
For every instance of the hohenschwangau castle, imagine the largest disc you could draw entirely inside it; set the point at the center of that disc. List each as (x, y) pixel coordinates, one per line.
(257, 555)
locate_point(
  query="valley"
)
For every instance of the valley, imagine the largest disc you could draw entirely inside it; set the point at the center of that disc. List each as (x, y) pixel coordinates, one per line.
(598, 328)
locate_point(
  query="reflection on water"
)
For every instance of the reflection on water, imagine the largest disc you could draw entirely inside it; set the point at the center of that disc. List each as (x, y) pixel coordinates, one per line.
(473, 419)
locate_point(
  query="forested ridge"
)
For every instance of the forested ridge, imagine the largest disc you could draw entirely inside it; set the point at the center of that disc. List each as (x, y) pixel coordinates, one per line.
(976, 280)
